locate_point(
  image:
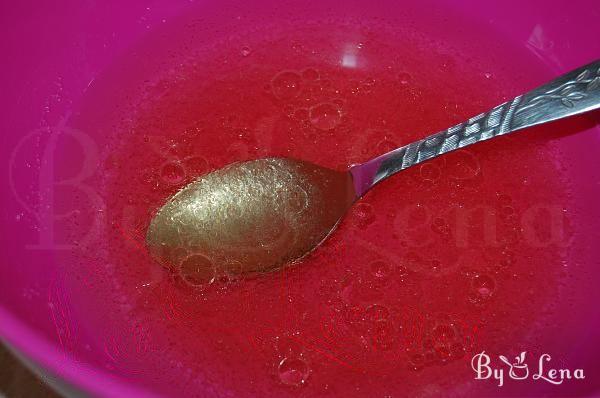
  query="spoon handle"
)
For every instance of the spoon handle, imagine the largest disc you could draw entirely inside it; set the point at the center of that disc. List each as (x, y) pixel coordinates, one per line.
(570, 94)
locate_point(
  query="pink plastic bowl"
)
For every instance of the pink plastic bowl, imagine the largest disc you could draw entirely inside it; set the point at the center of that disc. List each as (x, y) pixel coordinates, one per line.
(51, 53)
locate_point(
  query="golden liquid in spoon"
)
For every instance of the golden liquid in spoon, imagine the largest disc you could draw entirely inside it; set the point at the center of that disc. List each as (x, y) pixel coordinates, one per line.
(249, 217)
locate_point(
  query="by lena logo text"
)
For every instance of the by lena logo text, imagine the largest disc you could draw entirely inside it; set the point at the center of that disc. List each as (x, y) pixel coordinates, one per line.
(519, 370)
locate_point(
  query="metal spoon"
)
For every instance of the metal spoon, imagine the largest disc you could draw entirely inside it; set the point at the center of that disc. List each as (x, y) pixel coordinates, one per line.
(259, 215)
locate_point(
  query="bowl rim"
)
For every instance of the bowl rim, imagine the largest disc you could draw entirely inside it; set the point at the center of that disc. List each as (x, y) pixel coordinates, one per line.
(63, 366)
(90, 379)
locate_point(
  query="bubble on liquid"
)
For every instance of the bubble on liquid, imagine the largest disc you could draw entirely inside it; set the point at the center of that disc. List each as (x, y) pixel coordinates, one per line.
(245, 51)
(430, 172)
(385, 146)
(196, 165)
(172, 173)
(436, 266)
(310, 74)
(364, 214)
(245, 135)
(463, 165)
(230, 271)
(483, 288)
(325, 116)
(404, 78)
(297, 47)
(380, 269)
(197, 270)
(507, 211)
(286, 85)
(293, 371)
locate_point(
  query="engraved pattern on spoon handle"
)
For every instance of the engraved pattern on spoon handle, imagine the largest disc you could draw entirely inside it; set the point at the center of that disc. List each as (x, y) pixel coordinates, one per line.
(570, 94)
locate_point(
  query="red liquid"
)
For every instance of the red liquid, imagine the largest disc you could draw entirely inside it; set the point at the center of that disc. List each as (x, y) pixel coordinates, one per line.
(461, 254)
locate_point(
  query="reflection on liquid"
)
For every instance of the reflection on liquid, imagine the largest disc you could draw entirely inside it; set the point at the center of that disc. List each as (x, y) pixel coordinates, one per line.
(350, 55)
(349, 61)
(539, 44)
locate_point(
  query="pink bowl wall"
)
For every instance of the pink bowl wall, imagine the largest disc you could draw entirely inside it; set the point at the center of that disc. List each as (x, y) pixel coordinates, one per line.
(52, 52)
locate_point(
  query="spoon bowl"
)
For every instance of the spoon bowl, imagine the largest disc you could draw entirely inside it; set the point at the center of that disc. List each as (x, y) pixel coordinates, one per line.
(249, 217)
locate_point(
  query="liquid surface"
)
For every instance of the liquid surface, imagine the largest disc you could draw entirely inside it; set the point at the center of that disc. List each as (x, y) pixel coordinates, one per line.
(458, 255)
